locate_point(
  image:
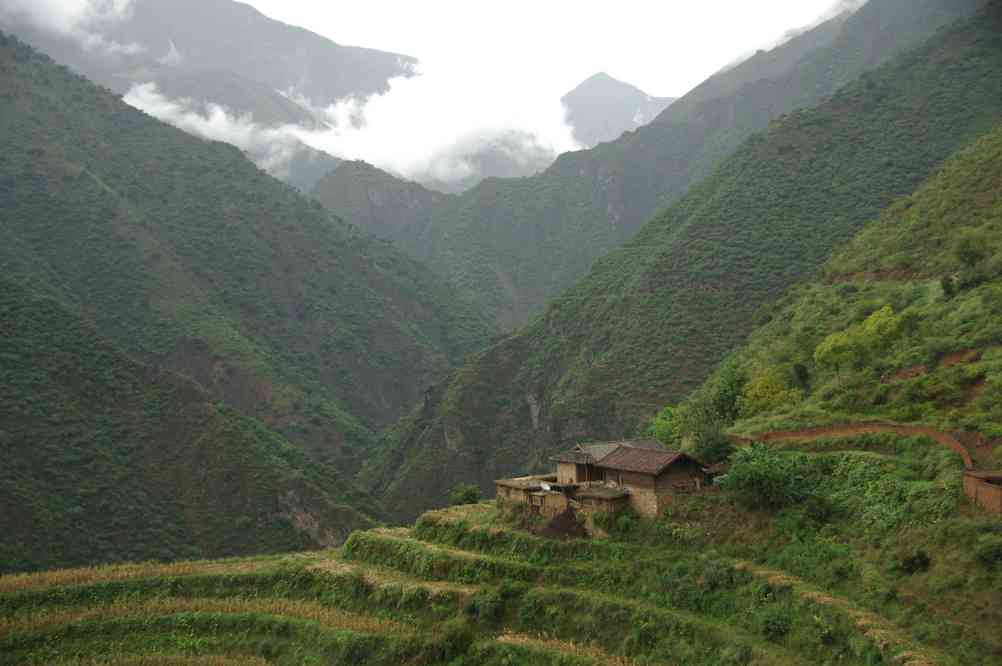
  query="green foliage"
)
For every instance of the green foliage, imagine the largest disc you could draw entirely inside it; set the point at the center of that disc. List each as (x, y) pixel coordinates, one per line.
(201, 299)
(652, 319)
(837, 350)
(666, 426)
(762, 478)
(914, 561)
(989, 550)
(766, 391)
(464, 493)
(893, 347)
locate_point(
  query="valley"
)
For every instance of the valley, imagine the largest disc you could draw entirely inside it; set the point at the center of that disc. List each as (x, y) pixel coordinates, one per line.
(722, 387)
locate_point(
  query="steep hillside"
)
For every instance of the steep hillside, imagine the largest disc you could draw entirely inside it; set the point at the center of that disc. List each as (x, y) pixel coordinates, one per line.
(224, 52)
(186, 257)
(653, 318)
(106, 459)
(601, 108)
(512, 245)
(905, 325)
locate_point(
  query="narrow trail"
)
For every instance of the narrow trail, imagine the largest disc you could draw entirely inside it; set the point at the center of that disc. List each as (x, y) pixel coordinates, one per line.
(853, 429)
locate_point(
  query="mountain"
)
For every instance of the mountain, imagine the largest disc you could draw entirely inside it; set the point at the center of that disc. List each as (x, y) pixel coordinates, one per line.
(107, 459)
(229, 55)
(512, 245)
(183, 256)
(653, 318)
(926, 275)
(601, 108)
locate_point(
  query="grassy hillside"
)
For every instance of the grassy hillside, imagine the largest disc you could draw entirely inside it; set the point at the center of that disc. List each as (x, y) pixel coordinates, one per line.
(513, 245)
(652, 319)
(465, 587)
(106, 459)
(186, 258)
(904, 325)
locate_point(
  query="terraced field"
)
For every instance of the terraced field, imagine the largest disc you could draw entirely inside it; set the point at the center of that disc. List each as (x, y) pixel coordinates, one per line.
(461, 587)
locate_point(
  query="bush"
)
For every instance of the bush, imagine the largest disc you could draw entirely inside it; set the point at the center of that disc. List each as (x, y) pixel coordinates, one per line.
(989, 550)
(455, 639)
(776, 626)
(764, 478)
(912, 562)
(464, 493)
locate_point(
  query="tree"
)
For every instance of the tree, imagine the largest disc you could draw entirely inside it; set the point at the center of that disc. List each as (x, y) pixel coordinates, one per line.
(763, 478)
(666, 426)
(464, 493)
(766, 391)
(836, 351)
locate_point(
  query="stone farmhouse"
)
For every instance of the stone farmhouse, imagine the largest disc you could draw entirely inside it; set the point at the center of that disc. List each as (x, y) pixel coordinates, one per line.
(607, 477)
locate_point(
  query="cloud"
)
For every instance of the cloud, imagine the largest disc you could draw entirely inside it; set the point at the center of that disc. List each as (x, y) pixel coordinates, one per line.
(82, 21)
(432, 126)
(439, 127)
(271, 148)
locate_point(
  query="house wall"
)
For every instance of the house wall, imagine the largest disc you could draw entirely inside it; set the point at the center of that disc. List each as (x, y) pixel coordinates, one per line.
(548, 505)
(567, 473)
(683, 476)
(506, 495)
(986, 495)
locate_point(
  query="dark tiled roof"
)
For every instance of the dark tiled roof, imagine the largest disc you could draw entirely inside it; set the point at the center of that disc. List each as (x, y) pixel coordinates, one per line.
(644, 461)
(588, 454)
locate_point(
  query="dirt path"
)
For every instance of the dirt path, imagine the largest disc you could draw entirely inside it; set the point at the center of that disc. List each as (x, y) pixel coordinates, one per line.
(854, 429)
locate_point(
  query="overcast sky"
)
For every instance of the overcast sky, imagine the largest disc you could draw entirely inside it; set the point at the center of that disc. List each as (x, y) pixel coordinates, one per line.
(663, 46)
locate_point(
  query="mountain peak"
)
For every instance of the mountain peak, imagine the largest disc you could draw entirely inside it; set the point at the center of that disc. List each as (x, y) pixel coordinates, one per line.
(601, 108)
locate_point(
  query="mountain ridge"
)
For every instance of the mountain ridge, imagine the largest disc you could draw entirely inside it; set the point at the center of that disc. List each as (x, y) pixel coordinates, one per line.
(653, 318)
(511, 245)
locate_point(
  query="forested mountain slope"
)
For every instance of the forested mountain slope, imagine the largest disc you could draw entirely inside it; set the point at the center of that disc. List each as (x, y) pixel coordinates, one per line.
(182, 254)
(107, 459)
(904, 325)
(514, 244)
(653, 318)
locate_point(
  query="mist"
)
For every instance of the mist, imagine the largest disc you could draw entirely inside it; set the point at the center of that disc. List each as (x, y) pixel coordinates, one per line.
(271, 148)
(81, 21)
(430, 127)
(420, 129)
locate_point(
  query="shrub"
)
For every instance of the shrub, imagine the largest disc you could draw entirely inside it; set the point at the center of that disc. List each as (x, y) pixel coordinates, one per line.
(455, 639)
(764, 478)
(989, 550)
(464, 493)
(776, 625)
(911, 562)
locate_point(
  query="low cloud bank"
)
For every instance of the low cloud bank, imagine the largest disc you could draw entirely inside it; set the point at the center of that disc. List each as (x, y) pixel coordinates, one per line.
(82, 21)
(271, 148)
(437, 127)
